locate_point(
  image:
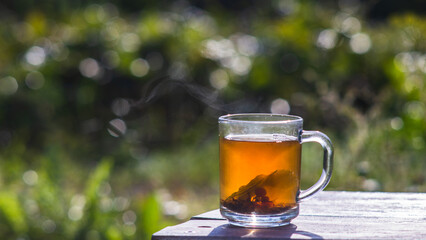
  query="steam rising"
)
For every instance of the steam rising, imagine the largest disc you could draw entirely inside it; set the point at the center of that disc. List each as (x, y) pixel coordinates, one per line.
(157, 88)
(160, 87)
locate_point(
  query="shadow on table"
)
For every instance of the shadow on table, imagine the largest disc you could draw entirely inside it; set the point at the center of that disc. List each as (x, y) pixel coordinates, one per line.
(284, 232)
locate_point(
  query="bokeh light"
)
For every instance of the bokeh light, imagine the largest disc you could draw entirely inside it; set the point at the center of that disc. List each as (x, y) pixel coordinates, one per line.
(121, 203)
(30, 177)
(349, 6)
(351, 26)
(48, 226)
(8, 85)
(397, 123)
(129, 229)
(139, 67)
(415, 109)
(218, 49)
(246, 45)
(219, 79)
(120, 107)
(35, 56)
(280, 106)
(327, 39)
(75, 213)
(360, 43)
(34, 80)
(130, 42)
(90, 68)
(240, 65)
(32, 208)
(117, 127)
(287, 7)
(371, 185)
(129, 217)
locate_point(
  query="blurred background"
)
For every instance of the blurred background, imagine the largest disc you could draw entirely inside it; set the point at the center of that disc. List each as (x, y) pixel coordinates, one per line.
(108, 109)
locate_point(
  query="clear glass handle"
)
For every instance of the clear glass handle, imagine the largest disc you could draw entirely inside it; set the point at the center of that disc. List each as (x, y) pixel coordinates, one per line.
(321, 138)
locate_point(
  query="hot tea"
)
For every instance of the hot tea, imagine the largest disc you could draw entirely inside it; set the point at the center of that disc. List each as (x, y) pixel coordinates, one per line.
(259, 173)
(260, 158)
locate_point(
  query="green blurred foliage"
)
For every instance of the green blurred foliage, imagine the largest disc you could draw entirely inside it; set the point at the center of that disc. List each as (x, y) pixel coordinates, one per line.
(108, 109)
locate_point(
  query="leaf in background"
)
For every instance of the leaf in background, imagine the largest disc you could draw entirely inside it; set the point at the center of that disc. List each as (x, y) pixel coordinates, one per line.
(12, 211)
(101, 174)
(149, 217)
(113, 233)
(37, 20)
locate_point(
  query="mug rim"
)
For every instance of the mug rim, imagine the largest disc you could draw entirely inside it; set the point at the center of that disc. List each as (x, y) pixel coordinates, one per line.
(236, 118)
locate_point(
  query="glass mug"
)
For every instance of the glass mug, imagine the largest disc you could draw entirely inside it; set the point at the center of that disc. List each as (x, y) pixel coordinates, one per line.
(260, 161)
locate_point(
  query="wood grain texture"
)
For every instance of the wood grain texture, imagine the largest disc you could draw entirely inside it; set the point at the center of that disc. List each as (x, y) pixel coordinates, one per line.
(329, 215)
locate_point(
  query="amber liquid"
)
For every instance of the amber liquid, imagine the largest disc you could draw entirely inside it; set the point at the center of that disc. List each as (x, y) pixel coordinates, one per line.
(259, 173)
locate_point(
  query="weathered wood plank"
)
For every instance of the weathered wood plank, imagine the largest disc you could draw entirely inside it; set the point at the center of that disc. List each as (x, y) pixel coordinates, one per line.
(331, 215)
(358, 204)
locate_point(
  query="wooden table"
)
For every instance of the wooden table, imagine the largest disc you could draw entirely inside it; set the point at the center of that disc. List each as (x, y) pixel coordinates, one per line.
(329, 215)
